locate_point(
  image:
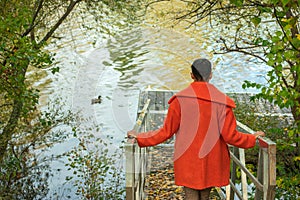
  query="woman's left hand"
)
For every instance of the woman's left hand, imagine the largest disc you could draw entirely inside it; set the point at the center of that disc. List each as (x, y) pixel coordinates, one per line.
(131, 134)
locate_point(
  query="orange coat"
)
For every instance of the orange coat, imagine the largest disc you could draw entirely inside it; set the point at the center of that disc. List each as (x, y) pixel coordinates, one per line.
(202, 118)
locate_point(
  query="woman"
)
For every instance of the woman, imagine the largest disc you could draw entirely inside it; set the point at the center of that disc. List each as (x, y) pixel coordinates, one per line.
(201, 116)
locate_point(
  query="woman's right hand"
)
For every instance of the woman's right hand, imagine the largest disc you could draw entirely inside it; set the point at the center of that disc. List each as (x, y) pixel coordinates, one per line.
(259, 134)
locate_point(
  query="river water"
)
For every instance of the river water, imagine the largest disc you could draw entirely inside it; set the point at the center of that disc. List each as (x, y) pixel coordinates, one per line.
(117, 67)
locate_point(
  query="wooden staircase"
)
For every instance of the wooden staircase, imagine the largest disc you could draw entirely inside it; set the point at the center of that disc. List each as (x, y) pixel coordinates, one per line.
(153, 106)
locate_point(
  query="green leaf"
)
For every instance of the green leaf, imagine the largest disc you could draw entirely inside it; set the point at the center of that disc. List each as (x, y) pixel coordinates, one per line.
(54, 70)
(280, 14)
(265, 9)
(289, 54)
(256, 21)
(238, 3)
(296, 42)
(265, 43)
(285, 2)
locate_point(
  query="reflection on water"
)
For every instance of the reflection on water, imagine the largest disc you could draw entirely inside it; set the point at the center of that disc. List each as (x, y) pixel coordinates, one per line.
(127, 54)
(150, 57)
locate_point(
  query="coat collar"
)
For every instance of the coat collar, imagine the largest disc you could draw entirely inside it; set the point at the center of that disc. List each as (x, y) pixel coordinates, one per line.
(205, 91)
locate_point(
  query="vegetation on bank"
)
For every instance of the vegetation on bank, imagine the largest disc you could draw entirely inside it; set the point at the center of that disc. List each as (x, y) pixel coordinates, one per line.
(276, 125)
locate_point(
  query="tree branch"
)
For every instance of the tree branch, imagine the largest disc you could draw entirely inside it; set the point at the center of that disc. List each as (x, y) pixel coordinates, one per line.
(282, 29)
(60, 21)
(31, 27)
(239, 50)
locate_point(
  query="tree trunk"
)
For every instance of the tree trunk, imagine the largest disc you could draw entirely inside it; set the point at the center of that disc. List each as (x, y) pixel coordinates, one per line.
(296, 114)
(20, 88)
(18, 103)
(9, 129)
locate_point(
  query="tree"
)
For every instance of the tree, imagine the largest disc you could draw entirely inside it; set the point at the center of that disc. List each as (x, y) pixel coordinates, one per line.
(25, 29)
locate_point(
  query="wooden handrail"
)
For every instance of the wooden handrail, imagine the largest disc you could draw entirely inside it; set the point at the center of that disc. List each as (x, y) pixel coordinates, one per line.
(141, 117)
(135, 157)
(265, 181)
(248, 173)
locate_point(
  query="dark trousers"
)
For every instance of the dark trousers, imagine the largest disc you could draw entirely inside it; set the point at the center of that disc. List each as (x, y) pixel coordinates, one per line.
(192, 194)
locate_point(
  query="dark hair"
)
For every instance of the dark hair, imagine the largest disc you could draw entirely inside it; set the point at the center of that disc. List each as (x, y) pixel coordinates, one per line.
(201, 69)
(196, 74)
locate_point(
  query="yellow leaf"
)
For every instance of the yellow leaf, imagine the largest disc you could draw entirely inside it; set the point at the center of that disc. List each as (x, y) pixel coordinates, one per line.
(298, 36)
(297, 158)
(279, 182)
(178, 190)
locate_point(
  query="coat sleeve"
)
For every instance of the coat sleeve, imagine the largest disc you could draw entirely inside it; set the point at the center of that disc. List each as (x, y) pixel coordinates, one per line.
(231, 135)
(170, 127)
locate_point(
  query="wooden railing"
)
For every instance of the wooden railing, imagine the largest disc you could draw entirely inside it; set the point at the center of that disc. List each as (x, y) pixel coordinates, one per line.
(263, 183)
(136, 162)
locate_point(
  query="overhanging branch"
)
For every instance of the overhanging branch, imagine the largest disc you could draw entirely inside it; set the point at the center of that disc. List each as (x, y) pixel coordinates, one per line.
(60, 21)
